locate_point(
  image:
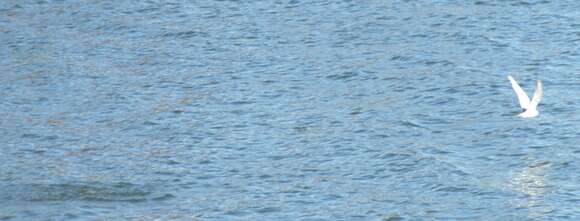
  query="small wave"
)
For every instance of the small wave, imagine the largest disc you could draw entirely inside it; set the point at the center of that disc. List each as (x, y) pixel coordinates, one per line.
(342, 76)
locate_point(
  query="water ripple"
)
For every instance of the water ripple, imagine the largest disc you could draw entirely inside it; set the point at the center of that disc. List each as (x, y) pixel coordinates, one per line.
(287, 110)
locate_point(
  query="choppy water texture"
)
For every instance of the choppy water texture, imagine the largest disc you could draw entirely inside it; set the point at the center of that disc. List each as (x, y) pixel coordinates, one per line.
(287, 110)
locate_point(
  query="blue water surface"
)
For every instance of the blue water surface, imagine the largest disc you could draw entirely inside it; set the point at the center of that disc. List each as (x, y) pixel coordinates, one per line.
(288, 110)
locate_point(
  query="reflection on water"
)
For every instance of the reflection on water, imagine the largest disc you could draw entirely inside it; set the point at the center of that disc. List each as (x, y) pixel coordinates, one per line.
(531, 181)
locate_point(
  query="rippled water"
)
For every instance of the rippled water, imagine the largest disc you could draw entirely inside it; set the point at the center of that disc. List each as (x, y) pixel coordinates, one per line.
(287, 110)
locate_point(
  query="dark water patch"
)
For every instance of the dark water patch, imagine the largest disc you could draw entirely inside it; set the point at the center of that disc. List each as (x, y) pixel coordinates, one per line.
(185, 34)
(117, 192)
(269, 210)
(31, 136)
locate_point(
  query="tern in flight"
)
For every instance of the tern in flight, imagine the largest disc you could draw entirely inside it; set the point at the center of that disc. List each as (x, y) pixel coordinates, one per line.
(530, 108)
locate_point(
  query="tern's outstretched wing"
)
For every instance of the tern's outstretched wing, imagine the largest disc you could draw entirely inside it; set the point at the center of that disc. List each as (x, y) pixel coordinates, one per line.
(522, 96)
(537, 95)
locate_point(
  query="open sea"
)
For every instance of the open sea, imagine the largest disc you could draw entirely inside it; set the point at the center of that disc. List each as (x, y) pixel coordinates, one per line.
(194, 110)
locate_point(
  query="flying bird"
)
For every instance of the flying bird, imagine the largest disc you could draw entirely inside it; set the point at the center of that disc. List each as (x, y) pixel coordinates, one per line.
(529, 108)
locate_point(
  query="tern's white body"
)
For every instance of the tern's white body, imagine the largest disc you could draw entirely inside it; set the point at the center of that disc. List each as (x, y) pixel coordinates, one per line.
(530, 107)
